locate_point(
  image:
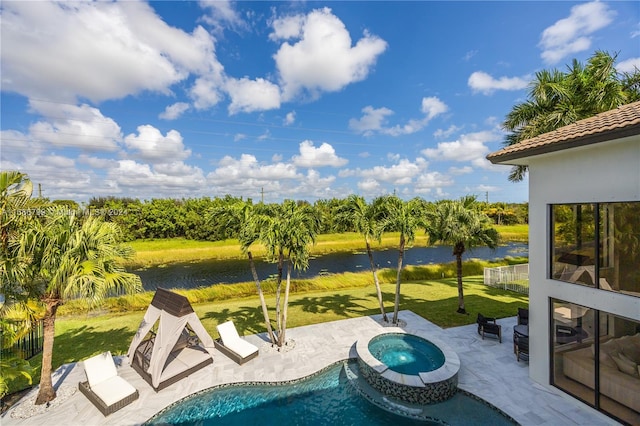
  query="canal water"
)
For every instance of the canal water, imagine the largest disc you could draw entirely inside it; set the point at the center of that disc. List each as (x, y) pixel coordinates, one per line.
(211, 272)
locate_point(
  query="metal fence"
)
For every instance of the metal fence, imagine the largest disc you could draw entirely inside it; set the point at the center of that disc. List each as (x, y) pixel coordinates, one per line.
(28, 345)
(514, 277)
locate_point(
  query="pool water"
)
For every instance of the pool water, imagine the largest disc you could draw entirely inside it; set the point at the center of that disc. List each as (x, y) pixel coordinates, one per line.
(406, 354)
(324, 399)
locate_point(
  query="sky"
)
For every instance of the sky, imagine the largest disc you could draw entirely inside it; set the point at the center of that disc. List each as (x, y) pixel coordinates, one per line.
(282, 100)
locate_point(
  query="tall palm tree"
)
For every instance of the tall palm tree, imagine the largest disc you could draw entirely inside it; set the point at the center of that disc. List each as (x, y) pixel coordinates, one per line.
(287, 230)
(405, 217)
(461, 224)
(75, 258)
(240, 218)
(557, 99)
(356, 214)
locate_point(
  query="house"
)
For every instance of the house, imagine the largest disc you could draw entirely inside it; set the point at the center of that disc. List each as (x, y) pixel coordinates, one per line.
(584, 255)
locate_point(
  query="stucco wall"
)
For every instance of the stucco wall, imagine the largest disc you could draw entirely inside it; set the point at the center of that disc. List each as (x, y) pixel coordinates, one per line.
(605, 172)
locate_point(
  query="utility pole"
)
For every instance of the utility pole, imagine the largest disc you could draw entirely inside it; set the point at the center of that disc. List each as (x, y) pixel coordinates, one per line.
(39, 190)
(262, 195)
(487, 195)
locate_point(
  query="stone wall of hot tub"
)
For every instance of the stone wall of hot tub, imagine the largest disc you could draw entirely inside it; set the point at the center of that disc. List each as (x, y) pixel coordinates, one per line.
(426, 388)
(421, 393)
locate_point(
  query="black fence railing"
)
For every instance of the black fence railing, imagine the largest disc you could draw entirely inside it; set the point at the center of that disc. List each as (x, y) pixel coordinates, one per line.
(28, 345)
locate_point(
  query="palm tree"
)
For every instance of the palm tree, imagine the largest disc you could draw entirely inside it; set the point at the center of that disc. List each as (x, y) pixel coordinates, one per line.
(356, 214)
(286, 230)
(240, 218)
(557, 99)
(461, 225)
(18, 212)
(74, 258)
(404, 217)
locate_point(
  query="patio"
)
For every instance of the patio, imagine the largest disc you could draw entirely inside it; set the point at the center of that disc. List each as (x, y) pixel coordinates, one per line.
(488, 369)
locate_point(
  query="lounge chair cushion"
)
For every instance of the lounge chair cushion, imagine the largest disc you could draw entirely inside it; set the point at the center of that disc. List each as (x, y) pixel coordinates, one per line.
(232, 341)
(113, 390)
(241, 347)
(100, 368)
(228, 332)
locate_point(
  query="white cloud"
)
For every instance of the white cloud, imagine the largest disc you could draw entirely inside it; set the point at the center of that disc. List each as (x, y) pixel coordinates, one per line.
(460, 170)
(630, 65)
(480, 81)
(314, 185)
(398, 174)
(441, 133)
(142, 180)
(290, 118)
(74, 126)
(247, 167)
(206, 91)
(572, 34)
(469, 147)
(427, 182)
(252, 95)
(222, 14)
(56, 161)
(97, 163)
(369, 185)
(96, 50)
(470, 54)
(150, 145)
(433, 107)
(171, 112)
(322, 156)
(374, 119)
(322, 58)
(239, 136)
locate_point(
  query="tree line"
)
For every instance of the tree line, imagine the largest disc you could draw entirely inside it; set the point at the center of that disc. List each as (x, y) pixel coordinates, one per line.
(186, 217)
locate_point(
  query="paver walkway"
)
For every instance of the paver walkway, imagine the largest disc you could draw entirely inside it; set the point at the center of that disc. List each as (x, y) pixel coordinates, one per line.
(488, 369)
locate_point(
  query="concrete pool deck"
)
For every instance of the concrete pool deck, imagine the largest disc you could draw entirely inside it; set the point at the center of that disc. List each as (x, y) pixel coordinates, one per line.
(488, 369)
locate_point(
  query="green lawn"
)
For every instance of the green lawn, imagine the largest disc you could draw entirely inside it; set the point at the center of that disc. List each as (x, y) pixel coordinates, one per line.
(81, 336)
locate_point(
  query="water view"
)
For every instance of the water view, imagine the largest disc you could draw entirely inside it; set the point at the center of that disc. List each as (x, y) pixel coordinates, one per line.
(211, 272)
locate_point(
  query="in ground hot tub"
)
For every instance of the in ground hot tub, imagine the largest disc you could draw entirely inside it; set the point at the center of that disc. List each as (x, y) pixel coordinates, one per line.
(408, 367)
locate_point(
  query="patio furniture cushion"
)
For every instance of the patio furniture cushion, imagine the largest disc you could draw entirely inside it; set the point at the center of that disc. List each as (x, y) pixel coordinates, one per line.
(104, 388)
(100, 368)
(232, 342)
(113, 390)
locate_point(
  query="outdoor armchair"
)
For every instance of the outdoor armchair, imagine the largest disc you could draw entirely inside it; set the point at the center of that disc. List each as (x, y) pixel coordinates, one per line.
(488, 325)
(104, 388)
(233, 346)
(523, 316)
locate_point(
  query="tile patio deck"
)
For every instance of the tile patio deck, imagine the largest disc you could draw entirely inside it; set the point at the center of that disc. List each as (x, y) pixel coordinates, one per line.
(488, 369)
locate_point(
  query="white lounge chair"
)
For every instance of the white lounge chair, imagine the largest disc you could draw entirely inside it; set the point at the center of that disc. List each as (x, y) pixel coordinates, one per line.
(104, 388)
(233, 346)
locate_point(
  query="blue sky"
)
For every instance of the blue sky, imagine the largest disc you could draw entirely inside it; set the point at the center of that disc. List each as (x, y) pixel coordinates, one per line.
(303, 100)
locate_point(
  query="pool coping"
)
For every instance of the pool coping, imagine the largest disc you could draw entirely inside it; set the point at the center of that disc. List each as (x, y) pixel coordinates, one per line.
(446, 372)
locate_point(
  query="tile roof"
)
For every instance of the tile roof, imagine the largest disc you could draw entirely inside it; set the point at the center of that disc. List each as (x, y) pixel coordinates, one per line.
(614, 124)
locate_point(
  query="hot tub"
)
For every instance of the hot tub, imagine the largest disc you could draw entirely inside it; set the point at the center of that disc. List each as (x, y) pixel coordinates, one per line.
(409, 367)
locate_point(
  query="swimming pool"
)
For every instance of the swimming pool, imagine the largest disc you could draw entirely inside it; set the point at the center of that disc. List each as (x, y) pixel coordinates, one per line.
(326, 398)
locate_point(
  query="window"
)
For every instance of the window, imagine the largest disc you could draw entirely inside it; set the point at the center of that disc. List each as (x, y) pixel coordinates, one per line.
(595, 357)
(597, 245)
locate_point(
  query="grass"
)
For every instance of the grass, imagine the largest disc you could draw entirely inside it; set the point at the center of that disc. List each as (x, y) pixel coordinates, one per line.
(163, 251)
(514, 233)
